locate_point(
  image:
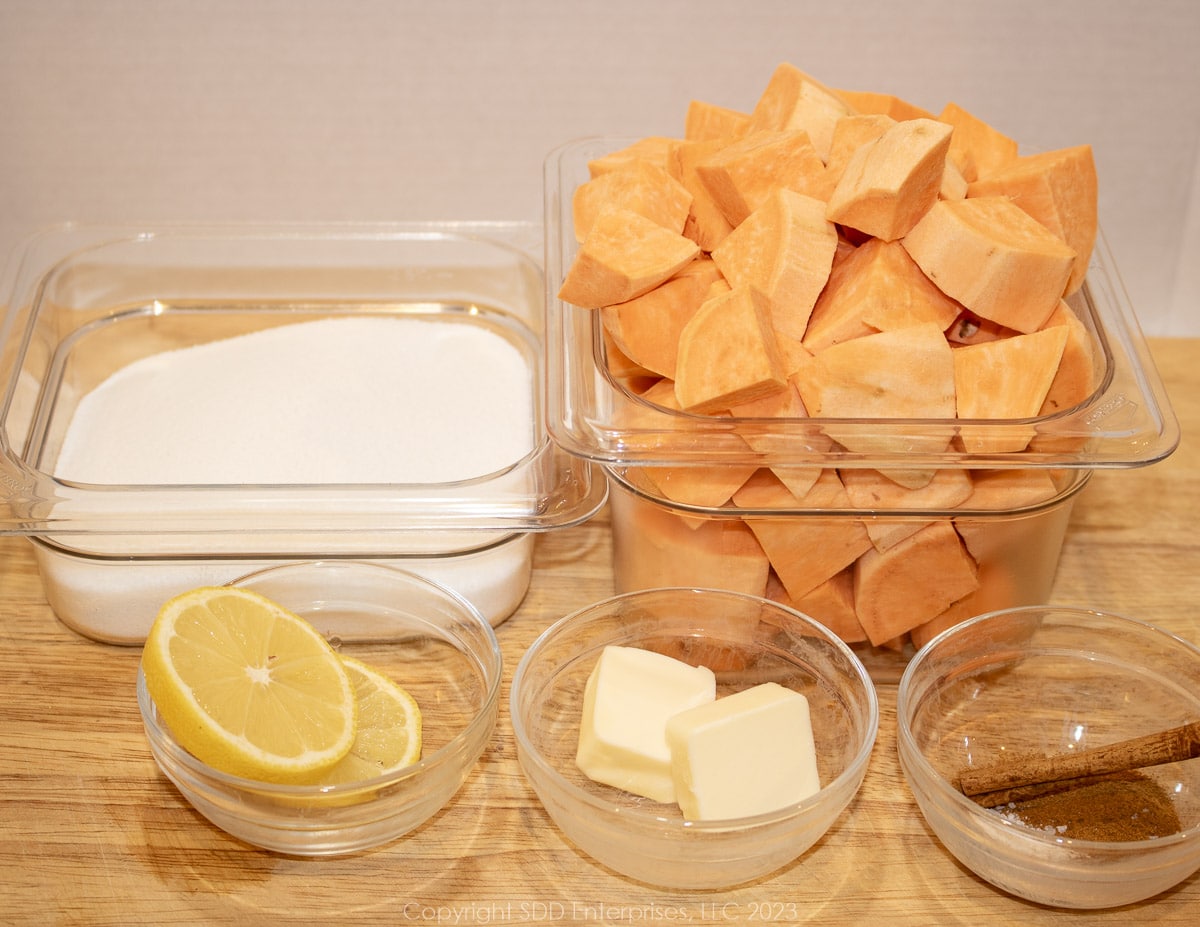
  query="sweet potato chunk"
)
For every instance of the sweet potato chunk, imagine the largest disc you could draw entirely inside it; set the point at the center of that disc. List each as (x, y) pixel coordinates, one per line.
(794, 100)
(785, 250)
(1005, 379)
(906, 373)
(706, 121)
(623, 256)
(727, 354)
(832, 604)
(878, 288)
(891, 182)
(887, 104)
(742, 175)
(642, 187)
(994, 258)
(709, 487)
(870, 489)
(1059, 189)
(647, 328)
(672, 552)
(849, 134)
(1074, 382)
(655, 149)
(976, 147)
(706, 224)
(1006, 491)
(912, 581)
(804, 552)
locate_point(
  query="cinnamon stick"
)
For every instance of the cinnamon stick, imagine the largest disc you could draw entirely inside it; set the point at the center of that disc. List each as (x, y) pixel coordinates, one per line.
(1169, 746)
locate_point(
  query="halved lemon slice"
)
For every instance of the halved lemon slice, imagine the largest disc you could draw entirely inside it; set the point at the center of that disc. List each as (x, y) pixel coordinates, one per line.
(248, 687)
(389, 728)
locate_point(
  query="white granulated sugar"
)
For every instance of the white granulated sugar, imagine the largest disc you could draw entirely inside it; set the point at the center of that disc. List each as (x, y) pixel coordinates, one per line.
(352, 400)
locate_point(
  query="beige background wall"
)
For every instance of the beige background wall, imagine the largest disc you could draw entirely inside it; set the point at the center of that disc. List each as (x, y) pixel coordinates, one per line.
(378, 110)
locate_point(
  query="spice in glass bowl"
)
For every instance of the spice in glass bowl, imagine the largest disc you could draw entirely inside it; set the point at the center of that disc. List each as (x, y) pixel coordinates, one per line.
(1116, 807)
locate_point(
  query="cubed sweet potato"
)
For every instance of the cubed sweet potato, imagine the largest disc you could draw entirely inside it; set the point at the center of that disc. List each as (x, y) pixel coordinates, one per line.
(897, 589)
(905, 373)
(706, 224)
(1058, 188)
(994, 258)
(705, 121)
(871, 490)
(742, 175)
(784, 249)
(795, 100)
(887, 104)
(642, 187)
(624, 255)
(878, 288)
(804, 552)
(658, 150)
(1005, 379)
(728, 354)
(978, 148)
(647, 327)
(891, 182)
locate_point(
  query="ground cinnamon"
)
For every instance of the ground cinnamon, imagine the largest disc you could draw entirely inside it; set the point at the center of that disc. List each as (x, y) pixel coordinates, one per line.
(1118, 807)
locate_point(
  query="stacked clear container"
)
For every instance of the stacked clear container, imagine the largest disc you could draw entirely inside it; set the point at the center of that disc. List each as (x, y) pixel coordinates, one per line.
(83, 302)
(658, 460)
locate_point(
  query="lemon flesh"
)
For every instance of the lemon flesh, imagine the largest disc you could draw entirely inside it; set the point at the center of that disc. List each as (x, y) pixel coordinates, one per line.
(389, 728)
(248, 687)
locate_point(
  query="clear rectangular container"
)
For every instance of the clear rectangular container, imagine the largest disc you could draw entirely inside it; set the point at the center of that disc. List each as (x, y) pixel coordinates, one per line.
(84, 303)
(698, 500)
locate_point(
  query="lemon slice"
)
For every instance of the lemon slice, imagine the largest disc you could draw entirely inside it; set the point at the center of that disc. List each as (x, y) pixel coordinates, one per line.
(248, 687)
(389, 728)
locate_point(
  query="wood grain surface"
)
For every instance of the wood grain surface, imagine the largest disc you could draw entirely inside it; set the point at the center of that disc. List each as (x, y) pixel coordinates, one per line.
(91, 833)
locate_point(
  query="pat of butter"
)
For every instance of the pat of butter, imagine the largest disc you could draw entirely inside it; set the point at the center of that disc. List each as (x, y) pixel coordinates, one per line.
(629, 697)
(744, 754)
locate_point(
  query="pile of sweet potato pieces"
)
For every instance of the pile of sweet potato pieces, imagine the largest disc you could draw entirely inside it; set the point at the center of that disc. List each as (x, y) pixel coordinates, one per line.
(839, 254)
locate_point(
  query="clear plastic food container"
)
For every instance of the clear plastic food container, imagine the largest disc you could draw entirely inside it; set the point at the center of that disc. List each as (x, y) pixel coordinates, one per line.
(781, 506)
(440, 463)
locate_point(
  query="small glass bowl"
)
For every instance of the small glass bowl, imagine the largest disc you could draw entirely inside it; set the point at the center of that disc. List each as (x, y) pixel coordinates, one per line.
(762, 640)
(1049, 680)
(430, 640)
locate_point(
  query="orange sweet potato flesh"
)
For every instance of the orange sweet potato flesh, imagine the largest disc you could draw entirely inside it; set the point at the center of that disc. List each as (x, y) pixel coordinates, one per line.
(889, 183)
(728, 354)
(849, 134)
(804, 552)
(1059, 189)
(994, 258)
(795, 100)
(831, 603)
(912, 581)
(887, 104)
(977, 148)
(877, 288)
(672, 551)
(1005, 379)
(642, 187)
(871, 490)
(743, 174)
(706, 223)
(647, 328)
(905, 373)
(705, 121)
(1075, 380)
(784, 249)
(1002, 491)
(658, 150)
(624, 255)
